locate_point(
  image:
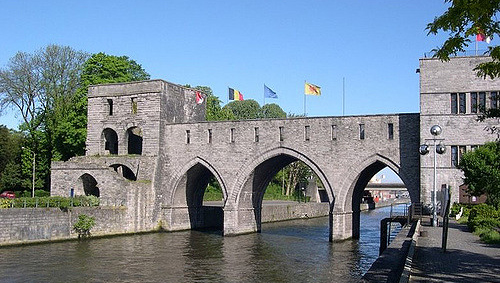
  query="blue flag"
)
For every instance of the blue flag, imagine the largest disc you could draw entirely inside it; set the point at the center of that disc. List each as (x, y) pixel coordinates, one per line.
(269, 92)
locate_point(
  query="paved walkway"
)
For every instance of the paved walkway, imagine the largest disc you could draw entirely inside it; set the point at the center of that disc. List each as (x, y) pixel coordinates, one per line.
(466, 258)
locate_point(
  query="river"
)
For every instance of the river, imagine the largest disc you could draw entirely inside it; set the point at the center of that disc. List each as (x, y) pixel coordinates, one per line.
(291, 251)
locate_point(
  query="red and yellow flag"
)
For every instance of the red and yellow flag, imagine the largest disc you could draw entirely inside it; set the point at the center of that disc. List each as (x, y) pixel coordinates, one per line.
(312, 89)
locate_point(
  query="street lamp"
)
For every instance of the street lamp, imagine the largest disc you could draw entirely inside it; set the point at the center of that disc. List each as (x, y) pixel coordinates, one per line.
(33, 180)
(440, 149)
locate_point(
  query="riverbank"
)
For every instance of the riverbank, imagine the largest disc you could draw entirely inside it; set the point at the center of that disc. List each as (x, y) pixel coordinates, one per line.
(368, 206)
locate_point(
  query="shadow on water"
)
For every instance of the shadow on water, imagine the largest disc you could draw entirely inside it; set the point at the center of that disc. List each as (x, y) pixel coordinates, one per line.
(291, 251)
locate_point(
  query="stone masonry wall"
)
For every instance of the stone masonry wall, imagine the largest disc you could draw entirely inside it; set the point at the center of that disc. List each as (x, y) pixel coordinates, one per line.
(332, 145)
(156, 100)
(437, 81)
(25, 225)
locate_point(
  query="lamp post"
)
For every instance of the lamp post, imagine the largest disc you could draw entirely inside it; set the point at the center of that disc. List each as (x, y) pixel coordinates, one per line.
(440, 149)
(33, 177)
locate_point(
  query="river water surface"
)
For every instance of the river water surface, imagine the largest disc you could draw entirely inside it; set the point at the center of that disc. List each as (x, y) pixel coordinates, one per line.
(291, 251)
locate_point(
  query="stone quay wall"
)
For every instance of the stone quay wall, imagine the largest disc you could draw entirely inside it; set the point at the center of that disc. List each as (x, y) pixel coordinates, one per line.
(35, 225)
(32, 225)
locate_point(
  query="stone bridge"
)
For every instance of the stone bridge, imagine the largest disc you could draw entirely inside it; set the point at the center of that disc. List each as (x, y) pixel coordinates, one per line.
(153, 134)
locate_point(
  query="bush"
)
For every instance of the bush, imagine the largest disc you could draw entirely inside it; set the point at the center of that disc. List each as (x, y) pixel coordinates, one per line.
(483, 211)
(5, 202)
(488, 235)
(483, 223)
(484, 220)
(83, 225)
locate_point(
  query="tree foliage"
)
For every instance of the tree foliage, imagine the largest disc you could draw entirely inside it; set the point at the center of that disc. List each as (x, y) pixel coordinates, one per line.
(244, 110)
(49, 89)
(481, 169)
(272, 110)
(465, 19)
(10, 159)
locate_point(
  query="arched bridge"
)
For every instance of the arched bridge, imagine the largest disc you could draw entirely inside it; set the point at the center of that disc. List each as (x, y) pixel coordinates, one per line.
(148, 150)
(344, 152)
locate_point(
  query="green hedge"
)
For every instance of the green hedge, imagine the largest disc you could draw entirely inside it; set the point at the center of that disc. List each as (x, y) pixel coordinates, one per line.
(61, 202)
(484, 220)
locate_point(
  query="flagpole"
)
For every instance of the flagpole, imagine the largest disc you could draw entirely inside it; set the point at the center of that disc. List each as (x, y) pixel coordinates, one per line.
(343, 96)
(305, 100)
(264, 95)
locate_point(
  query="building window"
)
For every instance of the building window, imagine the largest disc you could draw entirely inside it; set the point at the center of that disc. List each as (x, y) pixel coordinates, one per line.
(473, 102)
(390, 131)
(231, 135)
(209, 135)
(461, 104)
(454, 156)
(188, 136)
(361, 131)
(256, 134)
(334, 132)
(461, 151)
(473, 147)
(307, 133)
(482, 101)
(494, 100)
(134, 105)
(454, 105)
(282, 132)
(110, 107)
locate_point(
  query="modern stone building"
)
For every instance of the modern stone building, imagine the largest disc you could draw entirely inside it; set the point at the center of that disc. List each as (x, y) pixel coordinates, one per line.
(150, 151)
(452, 96)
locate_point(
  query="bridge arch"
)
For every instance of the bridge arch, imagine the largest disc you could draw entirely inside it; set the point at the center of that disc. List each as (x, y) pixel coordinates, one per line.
(185, 201)
(357, 180)
(248, 190)
(125, 171)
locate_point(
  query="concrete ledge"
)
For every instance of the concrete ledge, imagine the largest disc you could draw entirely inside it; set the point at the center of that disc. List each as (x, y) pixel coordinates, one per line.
(405, 276)
(390, 265)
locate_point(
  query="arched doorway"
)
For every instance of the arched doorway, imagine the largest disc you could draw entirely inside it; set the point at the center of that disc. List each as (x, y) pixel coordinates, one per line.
(110, 141)
(134, 140)
(89, 185)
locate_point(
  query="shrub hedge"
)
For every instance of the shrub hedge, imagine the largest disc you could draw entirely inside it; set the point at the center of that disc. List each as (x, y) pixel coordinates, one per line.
(56, 201)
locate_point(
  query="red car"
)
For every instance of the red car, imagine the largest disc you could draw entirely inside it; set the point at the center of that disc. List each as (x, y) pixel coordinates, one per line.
(8, 194)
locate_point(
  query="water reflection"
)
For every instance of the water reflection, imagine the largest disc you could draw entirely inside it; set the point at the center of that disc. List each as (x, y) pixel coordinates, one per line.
(292, 251)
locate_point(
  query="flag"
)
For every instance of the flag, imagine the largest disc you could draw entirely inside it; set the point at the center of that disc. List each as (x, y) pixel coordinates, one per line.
(235, 95)
(269, 92)
(481, 36)
(312, 89)
(199, 97)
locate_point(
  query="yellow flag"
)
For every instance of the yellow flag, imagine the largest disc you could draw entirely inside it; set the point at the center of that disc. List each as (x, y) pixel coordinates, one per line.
(312, 89)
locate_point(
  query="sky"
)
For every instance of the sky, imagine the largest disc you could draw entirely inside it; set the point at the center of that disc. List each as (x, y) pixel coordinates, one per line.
(374, 44)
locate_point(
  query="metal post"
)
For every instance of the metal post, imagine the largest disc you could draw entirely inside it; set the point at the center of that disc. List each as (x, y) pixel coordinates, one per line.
(33, 185)
(434, 213)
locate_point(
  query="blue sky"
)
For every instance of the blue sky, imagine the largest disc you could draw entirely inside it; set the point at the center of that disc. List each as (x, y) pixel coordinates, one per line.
(375, 45)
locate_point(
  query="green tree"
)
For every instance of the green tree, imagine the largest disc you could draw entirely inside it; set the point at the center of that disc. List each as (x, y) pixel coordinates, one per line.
(481, 169)
(71, 131)
(10, 157)
(272, 110)
(244, 109)
(464, 19)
